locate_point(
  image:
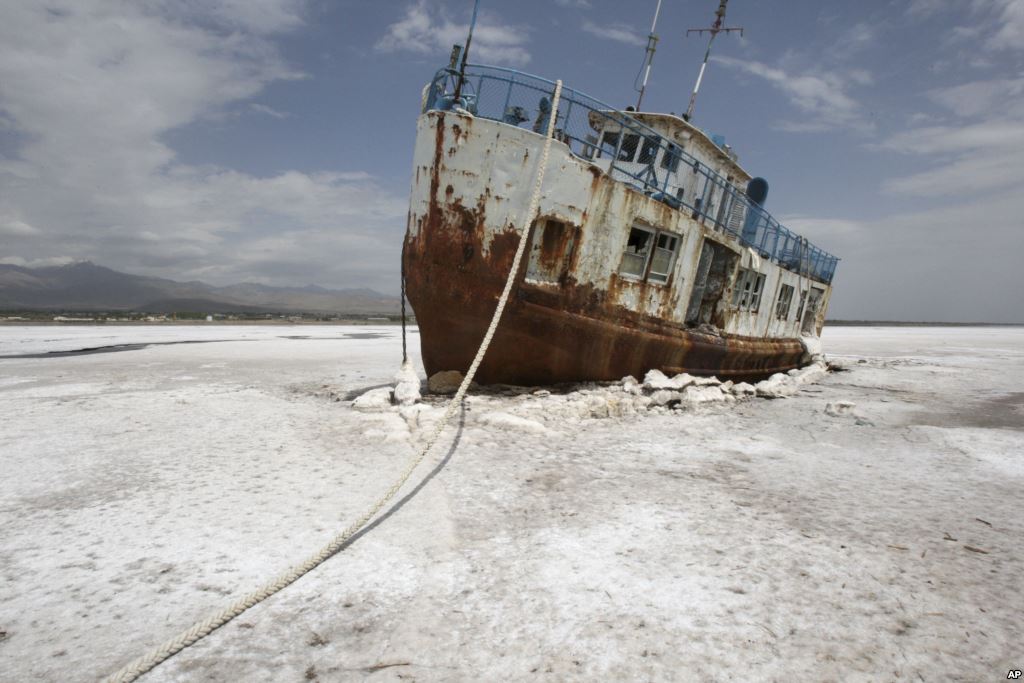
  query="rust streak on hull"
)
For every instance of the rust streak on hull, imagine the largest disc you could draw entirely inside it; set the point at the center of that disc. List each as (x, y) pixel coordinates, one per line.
(547, 335)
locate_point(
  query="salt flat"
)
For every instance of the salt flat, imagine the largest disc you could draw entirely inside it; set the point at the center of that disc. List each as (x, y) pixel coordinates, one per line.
(761, 540)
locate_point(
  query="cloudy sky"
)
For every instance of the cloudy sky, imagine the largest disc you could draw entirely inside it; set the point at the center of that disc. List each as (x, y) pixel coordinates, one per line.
(271, 140)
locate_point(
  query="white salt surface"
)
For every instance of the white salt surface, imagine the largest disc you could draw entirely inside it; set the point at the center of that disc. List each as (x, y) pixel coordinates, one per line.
(753, 539)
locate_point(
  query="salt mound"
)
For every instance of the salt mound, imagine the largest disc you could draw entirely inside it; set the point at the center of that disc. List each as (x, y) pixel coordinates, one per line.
(706, 394)
(776, 386)
(374, 400)
(407, 388)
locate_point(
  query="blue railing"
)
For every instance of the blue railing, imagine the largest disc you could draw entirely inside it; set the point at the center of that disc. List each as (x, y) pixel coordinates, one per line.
(634, 153)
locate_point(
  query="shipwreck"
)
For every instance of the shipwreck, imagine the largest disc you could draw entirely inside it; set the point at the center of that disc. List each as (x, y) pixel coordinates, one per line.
(651, 249)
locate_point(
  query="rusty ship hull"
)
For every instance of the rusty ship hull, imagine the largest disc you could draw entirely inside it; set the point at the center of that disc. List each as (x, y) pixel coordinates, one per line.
(579, 309)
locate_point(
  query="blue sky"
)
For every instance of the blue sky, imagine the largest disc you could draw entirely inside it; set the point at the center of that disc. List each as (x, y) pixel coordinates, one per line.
(271, 140)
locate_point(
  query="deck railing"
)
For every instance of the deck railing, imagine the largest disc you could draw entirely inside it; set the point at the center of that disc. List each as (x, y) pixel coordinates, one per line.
(631, 152)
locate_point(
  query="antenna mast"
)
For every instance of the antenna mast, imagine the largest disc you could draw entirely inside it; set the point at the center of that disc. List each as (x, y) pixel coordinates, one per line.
(652, 43)
(715, 29)
(465, 53)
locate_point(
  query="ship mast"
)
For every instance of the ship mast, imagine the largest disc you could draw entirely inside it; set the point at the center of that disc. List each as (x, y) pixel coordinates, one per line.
(465, 53)
(715, 29)
(652, 43)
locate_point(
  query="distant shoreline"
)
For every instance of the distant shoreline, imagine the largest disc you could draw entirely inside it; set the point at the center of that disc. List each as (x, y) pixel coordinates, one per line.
(199, 323)
(412, 321)
(904, 323)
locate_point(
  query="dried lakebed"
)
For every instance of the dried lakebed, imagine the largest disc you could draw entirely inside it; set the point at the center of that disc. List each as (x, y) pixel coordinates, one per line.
(755, 537)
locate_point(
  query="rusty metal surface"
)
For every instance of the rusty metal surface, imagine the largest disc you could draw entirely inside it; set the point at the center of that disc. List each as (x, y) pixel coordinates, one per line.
(546, 338)
(575, 318)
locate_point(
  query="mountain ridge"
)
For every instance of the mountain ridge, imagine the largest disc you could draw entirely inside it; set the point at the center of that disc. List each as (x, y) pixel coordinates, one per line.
(86, 286)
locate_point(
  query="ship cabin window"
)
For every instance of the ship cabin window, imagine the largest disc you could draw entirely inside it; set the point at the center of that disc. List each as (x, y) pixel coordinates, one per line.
(746, 294)
(784, 303)
(638, 246)
(665, 248)
(800, 308)
(810, 313)
(627, 149)
(670, 159)
(609, 142)
(650, 254)
(649, 151)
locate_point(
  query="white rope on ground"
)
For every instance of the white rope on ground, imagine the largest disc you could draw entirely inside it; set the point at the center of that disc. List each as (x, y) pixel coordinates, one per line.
(203, 628)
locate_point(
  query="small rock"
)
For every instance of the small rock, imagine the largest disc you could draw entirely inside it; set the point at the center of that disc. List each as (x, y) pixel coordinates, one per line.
(706, 394)
(599, 407)
(663, 397)
(776, 386)
(743, 389)
(631, 386)
(811, 373)
(683, 380)
(374, 400)
(840, 408)
(445, 382)
(655, 380)
(642, 402)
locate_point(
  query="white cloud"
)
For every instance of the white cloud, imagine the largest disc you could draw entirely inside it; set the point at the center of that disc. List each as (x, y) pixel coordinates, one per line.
(821, 95)
(269, 111)
(997, 96)
(425, 29)
(979, 153)
(1009, 34)
(16, 227)
(582, 4)
(91, 87)
(617, 31)
(974, 158)
(997, 24)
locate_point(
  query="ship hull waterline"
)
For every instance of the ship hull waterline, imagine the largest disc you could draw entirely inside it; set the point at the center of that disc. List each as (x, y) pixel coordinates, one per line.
(548, 338)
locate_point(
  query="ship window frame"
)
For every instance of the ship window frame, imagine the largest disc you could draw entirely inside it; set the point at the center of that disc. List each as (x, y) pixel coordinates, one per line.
(609, 142)
(646, 272)
(652, 233)
(748, 290)
(671, 157)
(785, 302)
(649, 149)
(629, 146)
(657, 276)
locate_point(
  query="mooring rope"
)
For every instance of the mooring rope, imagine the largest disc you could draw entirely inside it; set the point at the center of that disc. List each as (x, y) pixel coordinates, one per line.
(205, 627)
(405, 353)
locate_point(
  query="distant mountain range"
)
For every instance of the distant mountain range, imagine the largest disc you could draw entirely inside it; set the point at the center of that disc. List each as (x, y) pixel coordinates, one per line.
(85, 286)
